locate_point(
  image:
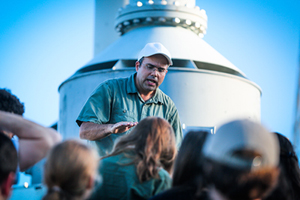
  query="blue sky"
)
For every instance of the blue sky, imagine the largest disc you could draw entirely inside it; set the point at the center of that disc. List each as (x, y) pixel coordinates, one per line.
(45, 42)
(262, 39)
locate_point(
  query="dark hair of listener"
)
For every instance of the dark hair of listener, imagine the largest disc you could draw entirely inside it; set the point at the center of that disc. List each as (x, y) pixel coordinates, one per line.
(187, 167)
(237, 184)
(67, 171)
(288, 187)
(153, 142)
(8, 157)
(10, 103)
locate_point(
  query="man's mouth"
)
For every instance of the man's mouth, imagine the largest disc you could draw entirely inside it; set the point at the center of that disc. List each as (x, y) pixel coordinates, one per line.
(152, 82)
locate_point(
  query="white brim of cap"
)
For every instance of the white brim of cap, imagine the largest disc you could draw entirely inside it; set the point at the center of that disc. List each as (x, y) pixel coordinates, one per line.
(165, 55)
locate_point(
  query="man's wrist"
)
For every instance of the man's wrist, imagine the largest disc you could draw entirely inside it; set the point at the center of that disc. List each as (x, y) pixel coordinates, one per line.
(111, 129)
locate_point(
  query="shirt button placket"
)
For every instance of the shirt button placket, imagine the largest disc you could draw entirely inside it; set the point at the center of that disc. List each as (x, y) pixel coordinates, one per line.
(144, 111)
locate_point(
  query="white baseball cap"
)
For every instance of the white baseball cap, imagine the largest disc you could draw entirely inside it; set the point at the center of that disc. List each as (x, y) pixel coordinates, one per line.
(234, 138)
(155, 48)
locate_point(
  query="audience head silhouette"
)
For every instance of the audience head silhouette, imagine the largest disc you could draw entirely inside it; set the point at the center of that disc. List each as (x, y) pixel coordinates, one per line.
(241, 161)
(8, 165)
(70, 171)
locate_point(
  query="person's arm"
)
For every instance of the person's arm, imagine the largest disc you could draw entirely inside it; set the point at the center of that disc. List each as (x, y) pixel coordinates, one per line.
(34, 140)
(93, 131)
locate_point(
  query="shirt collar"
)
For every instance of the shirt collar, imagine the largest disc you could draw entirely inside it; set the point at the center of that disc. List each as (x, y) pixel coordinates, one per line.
(131, 88)
(157, 98)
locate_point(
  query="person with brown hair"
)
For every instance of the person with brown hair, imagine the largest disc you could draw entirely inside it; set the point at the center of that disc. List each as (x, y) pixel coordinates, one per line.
(140, 163)
(288, 186)
(70, 171)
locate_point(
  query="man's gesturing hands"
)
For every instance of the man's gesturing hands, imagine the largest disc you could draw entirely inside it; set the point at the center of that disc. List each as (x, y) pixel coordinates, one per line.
(122, 127)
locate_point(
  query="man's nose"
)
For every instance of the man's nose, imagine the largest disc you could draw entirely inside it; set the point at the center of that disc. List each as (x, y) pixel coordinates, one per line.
(154, 72)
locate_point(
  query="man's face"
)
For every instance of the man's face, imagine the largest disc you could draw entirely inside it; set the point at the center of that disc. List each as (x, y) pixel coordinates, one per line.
(151, 73)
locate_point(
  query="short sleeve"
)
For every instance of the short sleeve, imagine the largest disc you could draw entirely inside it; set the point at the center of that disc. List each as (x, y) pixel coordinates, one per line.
(175, 123)
(98, 106)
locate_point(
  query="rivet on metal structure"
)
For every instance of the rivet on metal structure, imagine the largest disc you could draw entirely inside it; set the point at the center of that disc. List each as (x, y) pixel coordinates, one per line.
(163, 13)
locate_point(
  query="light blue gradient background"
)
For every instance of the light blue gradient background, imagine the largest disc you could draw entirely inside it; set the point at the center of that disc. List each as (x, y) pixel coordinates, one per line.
(42, 43)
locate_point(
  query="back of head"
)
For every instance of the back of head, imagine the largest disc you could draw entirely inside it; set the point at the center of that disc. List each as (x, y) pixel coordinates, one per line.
(241, 160)
(10, 103)
(188, 163)
(8, 159)
(69, 168)
(153, 142)
(289, 180)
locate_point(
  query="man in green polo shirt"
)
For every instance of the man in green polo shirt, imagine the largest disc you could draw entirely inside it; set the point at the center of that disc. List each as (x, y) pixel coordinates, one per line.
(117, 105)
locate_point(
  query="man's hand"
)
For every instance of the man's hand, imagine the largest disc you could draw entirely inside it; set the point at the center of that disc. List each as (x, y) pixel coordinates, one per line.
(122, 127)
(92, 131)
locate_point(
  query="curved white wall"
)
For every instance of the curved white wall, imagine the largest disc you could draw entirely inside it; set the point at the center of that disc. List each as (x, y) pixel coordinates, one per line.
(203, 97)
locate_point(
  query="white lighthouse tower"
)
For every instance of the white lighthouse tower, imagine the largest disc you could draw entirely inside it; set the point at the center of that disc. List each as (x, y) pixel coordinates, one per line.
(206, 88)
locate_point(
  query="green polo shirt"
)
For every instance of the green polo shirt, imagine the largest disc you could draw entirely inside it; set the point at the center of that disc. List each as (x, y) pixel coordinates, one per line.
(120, 181)
(118, 100)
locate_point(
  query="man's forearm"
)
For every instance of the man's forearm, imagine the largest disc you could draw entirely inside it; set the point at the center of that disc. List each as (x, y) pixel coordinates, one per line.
(92, 131)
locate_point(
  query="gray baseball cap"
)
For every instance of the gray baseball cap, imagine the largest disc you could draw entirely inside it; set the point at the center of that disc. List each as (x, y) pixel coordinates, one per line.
(243, 144)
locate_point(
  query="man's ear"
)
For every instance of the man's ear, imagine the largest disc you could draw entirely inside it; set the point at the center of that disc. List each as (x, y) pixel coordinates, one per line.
(137, 65)
(6, 185)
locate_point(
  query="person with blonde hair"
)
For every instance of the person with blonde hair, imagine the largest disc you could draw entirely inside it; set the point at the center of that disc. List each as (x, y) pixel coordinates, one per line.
(140, 164)
(70, 171)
